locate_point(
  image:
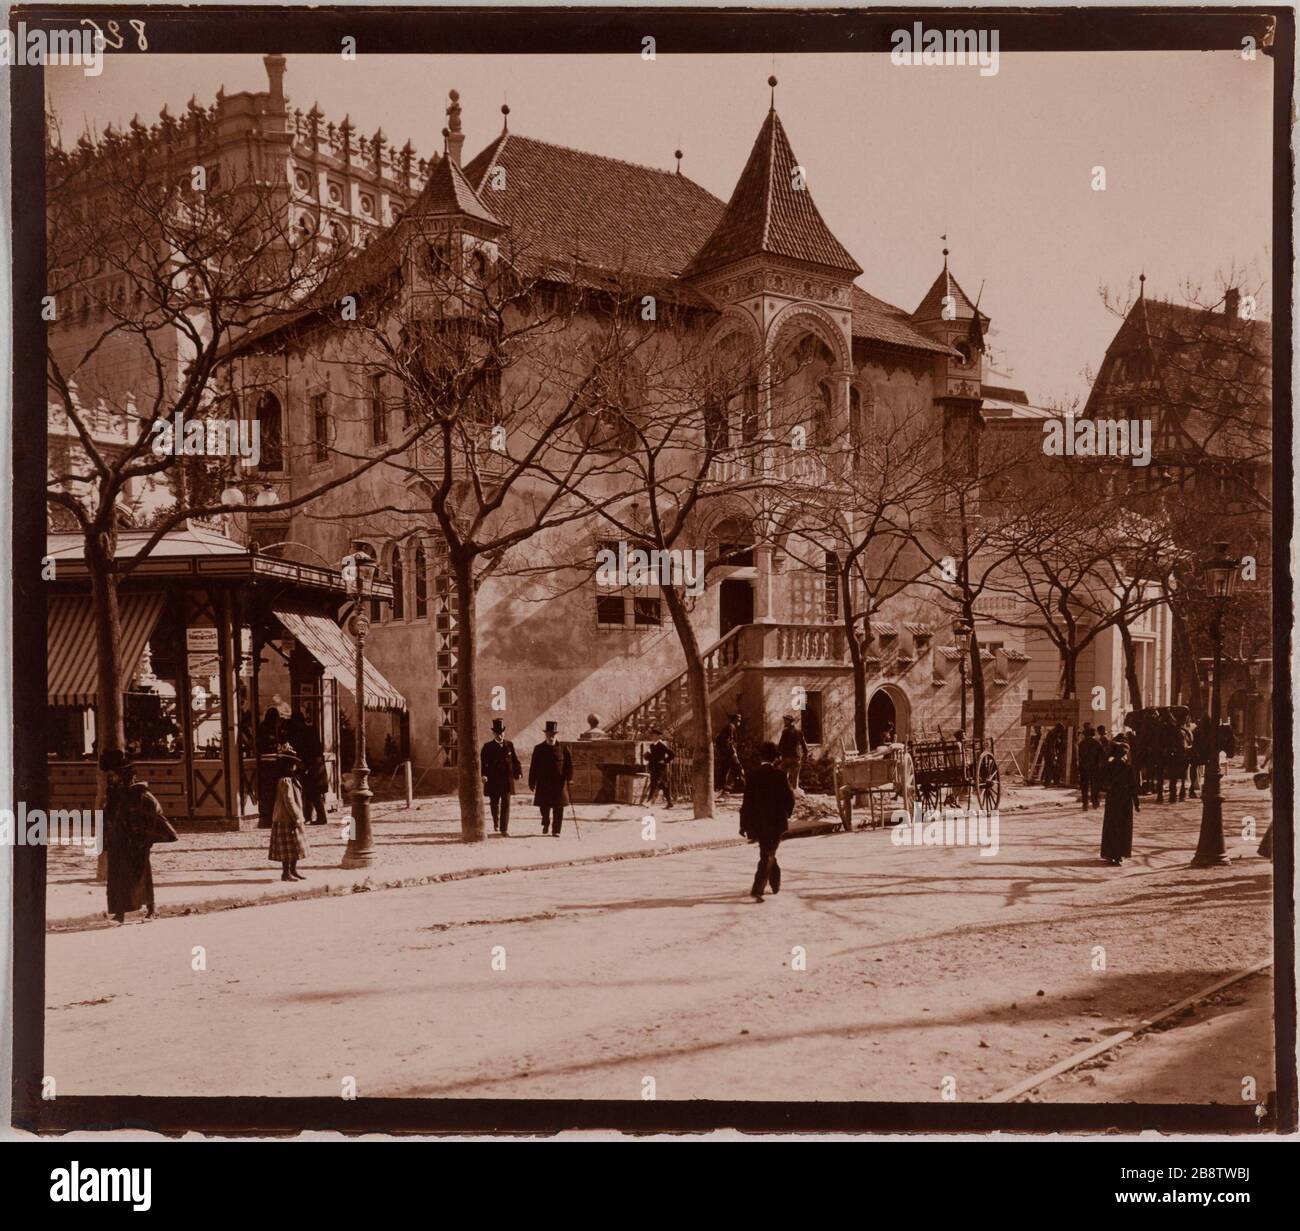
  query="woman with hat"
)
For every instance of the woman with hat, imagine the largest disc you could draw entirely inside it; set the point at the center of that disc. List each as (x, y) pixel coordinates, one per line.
(1122, 801)
(288, 826)
(133, 822)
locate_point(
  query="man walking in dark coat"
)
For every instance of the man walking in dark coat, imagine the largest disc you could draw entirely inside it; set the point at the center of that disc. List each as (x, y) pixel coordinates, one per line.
(500, 767)
(658, 757)
(1091, 759)
(1121, 802)
(765, 817)
(728, 772)
(791, 748)
(548, 774)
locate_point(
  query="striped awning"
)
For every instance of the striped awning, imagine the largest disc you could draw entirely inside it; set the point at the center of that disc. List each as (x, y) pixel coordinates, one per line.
(1016, 656)
(918, 630)
(883, 628)
(72, 662)
(950, 652)
(330, 646)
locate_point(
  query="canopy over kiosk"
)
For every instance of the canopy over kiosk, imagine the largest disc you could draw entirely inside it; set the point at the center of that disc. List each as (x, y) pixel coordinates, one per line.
(213, 636)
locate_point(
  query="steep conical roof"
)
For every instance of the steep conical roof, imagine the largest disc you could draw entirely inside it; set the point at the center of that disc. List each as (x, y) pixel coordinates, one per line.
(447, 191)
(769, 213)
(931, 307)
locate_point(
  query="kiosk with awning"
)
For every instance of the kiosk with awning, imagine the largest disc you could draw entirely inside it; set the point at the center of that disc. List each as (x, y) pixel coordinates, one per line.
(213, 636)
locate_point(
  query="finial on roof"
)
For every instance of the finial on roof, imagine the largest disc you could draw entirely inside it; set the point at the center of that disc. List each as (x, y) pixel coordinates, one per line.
(771, 81)
(454, 139)
(677, 154)
(1142, 285)
(505, 117)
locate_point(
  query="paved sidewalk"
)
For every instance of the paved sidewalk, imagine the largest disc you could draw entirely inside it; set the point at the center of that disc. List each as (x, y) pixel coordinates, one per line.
(421, 845)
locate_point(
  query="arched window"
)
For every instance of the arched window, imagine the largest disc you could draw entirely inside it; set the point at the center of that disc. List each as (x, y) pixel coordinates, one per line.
(399, 584)
(421, 583)
(862, 407)
(270, 430)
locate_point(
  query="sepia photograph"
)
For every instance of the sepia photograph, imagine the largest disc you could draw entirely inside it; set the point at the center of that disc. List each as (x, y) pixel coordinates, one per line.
(628, 566)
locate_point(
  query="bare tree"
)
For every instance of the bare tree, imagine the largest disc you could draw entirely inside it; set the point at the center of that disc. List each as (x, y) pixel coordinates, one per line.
(155, 273)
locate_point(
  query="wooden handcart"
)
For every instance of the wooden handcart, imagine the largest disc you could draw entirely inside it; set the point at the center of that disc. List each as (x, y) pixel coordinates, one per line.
(883, 780)
(954, 773)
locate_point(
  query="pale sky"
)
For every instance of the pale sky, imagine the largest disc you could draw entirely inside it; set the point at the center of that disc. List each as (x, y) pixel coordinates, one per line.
(895, 157)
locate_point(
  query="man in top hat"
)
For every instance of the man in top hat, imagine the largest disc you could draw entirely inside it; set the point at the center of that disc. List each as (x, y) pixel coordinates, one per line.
(548, 774)
(499, 767)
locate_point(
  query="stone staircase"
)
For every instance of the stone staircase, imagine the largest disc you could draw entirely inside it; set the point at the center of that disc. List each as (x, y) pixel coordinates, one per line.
(748, 645)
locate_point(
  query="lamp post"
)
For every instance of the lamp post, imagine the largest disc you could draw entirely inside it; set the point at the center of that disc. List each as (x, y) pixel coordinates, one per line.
(962, 632)
(1221, 582)
(360, 853)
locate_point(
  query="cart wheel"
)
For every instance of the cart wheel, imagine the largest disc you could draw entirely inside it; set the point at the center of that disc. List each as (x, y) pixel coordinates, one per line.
(845, 797)
(907, 785)
(929, 796)
(988, 783)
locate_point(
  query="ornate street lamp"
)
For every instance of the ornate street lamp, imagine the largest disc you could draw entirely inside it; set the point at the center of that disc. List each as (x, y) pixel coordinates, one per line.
(962, 631)
(359, 568)
(1221, 575)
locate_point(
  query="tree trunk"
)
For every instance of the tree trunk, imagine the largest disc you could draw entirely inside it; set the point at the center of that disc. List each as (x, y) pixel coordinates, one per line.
(469, 783)
(110, 719)
(1130, 666)
(1191, 676)
(110, 711)
(697, 689)
(976, 686)
(859, 663)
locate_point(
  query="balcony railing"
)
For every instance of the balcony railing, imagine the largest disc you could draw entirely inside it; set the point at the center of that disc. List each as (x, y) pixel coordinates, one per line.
(769, 464)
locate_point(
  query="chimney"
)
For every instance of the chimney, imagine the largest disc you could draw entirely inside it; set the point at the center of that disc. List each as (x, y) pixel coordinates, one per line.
(453, 138)
(1231, 302)
(274, 65)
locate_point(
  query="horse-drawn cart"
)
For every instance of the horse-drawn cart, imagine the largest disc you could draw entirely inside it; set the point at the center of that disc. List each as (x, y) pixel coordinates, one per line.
(954, 773)
(883, 780)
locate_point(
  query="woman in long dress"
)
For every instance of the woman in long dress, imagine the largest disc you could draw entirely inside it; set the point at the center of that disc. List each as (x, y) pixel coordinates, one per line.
(133, 822)
(1122, 801)
(288, 826)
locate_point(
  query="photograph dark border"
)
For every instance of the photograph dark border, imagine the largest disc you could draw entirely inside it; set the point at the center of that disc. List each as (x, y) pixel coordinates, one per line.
(409, 31)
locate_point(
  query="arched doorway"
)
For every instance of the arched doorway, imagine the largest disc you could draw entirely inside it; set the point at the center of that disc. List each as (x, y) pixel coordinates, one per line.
(888, 707)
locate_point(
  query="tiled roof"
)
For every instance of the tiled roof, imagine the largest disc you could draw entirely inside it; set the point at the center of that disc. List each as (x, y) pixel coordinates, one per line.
(931, 307)
(1213, 372)
(768, 214)
(874, 320)
(448, 192)
(563, 204)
